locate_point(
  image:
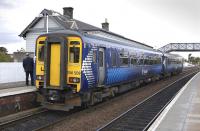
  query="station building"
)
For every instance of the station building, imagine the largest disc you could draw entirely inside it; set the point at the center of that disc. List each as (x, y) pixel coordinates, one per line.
(52, 21)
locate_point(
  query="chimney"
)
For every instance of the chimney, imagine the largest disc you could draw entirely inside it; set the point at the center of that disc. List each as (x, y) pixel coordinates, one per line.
(68, 11)
(105, 25)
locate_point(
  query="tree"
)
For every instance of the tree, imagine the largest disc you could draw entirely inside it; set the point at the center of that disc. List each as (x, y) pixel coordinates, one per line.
(4, 57)
(21, 50)
(195, 60)
(3, 50)
(189, 58)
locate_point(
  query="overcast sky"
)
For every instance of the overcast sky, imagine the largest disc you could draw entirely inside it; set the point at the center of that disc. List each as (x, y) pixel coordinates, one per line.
(154, 22)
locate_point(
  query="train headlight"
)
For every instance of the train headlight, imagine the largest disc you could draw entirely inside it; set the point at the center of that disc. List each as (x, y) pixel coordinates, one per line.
(74, 79)
(40, 77)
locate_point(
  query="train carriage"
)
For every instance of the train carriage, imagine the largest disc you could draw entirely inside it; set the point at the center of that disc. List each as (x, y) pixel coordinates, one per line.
(173, 63)
(73, 69)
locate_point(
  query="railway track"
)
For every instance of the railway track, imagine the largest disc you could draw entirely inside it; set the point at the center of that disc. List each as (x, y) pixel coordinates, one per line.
(141, 116)
(39, 121)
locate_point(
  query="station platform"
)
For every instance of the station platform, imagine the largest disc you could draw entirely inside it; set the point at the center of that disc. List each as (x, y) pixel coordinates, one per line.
(16, 90)
(12, 84)
(183, 112)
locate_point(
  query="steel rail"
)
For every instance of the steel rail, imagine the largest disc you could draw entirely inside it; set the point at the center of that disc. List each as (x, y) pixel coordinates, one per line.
(123, 122)
(48, 118)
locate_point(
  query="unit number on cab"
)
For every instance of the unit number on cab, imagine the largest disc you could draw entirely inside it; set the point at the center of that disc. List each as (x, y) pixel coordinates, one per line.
(74, 72)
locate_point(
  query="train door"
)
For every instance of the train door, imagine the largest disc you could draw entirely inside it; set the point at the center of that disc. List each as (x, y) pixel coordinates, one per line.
(55, 65)
(55, 55)
(101, 61)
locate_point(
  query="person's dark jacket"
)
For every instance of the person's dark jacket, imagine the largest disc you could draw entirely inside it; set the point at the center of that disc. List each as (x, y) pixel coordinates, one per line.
(28, 64)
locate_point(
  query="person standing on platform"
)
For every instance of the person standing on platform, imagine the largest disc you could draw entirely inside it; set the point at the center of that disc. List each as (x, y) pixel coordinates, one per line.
(28, 66)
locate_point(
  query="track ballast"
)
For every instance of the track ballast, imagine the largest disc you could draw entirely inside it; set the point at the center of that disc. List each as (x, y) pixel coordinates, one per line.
(141, 116)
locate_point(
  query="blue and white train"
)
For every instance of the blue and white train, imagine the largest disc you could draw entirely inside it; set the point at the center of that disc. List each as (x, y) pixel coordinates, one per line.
(74, 69)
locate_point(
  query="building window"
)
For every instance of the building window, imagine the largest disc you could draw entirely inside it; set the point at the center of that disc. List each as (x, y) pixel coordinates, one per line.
(74, 54)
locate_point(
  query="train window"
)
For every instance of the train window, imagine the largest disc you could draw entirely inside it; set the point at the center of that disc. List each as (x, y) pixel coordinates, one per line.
(155, 61)
(100, 58)
(151, 62)
(158, 61)
(140, 62)
(124, 61)
(41, 42)
(74, 54)
(146, 62)
(41, 53)
(94, 57)
(134, 61)
(113, 58)
(74, 43)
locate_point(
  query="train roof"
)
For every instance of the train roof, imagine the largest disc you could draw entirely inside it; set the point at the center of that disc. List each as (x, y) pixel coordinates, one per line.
(176, 56)
(72, 33)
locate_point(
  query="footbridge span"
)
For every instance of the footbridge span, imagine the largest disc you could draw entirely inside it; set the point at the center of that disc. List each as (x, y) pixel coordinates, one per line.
(180, 47)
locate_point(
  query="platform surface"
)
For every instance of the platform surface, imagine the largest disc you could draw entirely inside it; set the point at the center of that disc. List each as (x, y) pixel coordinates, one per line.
(183, 112)
(16, 90)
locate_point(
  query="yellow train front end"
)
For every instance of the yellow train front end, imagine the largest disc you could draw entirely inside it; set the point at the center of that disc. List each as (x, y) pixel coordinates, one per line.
(58, 70)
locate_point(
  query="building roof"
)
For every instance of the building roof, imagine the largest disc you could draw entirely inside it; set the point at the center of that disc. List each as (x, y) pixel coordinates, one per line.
(72, 24)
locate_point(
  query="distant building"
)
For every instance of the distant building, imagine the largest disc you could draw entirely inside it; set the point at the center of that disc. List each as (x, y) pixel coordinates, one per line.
(52, 21)
(19, 56)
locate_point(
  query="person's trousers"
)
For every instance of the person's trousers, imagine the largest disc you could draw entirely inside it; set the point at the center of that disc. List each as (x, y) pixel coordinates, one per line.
(27, 76)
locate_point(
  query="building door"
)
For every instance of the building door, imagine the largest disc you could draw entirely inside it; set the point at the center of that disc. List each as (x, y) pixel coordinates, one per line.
(101, 66)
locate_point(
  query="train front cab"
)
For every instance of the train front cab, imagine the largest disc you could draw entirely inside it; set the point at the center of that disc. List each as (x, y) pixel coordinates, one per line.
(58, 71)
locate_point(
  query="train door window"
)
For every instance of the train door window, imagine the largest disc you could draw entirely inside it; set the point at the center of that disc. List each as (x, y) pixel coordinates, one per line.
(100, 58)
(124, 61)
(41, 53)
(113, 58)
(74, 54)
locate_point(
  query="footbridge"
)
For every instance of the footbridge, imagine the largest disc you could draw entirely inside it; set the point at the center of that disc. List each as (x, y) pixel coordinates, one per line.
(180, 47)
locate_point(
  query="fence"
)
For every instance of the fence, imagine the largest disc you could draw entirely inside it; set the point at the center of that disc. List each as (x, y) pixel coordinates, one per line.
(11, 72)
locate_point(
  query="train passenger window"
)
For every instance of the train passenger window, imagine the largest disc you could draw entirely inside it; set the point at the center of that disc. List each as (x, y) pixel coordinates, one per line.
(124, 61)
(146, 62)
(41, 53)
(74, 54)
(158, 61)
(100, 58)
(151, 62)
(134, 61)
(113, 58)
(140, 62)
